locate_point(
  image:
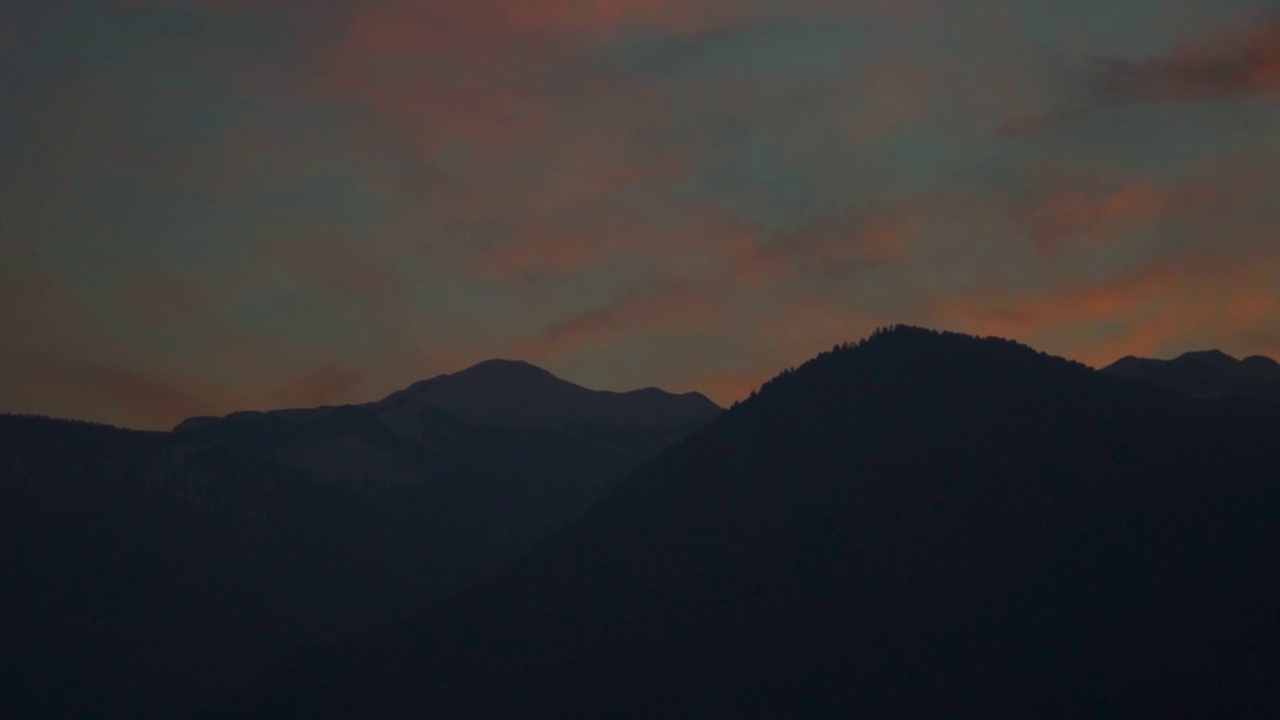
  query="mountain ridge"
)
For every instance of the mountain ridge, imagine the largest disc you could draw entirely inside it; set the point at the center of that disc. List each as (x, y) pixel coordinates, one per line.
(512, 392)
(921, 524)
(1206, 374)
(145, 572)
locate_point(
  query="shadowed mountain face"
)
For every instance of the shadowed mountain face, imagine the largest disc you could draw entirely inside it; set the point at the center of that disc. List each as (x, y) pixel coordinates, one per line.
(142, 574)
(1210, 374)
(922, 525)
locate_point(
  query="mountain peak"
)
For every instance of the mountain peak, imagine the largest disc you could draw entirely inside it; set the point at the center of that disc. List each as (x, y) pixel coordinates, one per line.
(514, 392)
(1261, 363)
(1207, 374)
(902, 338)
(904, 360)
(1213, 356)
(504, 366)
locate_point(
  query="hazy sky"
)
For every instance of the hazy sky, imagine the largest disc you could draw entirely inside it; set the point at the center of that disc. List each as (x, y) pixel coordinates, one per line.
(208, 205)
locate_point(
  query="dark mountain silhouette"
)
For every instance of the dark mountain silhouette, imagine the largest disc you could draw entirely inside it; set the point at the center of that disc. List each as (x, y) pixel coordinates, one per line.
(1209, 374)
(513, 392)
(920, 525)
(509, 392)
(145, 573)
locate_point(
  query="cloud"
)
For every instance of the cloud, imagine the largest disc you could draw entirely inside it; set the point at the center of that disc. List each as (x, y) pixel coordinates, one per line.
(992, 311)
(480, 70)
(1243, 63)
(1121, 263)
(702, 245)
(1070, 216)
(654, 191)
(564, 251)
(1146, 310)
(857, 240)
(667, 309)
(1240, 61)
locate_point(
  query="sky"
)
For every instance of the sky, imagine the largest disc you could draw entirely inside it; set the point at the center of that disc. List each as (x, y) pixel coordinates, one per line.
(213, 205)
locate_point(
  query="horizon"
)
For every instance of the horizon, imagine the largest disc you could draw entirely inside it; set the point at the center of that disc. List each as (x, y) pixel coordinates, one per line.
(469, 366)
(215, 206)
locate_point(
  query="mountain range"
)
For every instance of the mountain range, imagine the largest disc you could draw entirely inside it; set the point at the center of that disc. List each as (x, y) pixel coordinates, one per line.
(514, 393)
(143, 574)
(1209, 374)
(919, 525)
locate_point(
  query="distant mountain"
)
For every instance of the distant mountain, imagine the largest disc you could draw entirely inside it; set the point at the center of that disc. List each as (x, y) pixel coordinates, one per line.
(513, 392)
(141, 574)
(509, 392)
(919, 525)
(1210, 374)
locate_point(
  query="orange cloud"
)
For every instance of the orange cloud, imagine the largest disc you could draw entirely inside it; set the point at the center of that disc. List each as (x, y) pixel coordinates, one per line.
(1143, 311)
(1070, 215)
(989, 311)
(478, 72)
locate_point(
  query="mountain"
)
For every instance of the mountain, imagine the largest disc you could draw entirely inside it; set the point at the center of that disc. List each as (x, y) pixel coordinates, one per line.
(1210, 374)
(919, 525)
(514, 392)
(143, 574)
(510, 392)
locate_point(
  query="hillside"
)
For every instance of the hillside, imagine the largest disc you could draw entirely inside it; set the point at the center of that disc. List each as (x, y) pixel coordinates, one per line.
(919, 525)
(146, 573)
